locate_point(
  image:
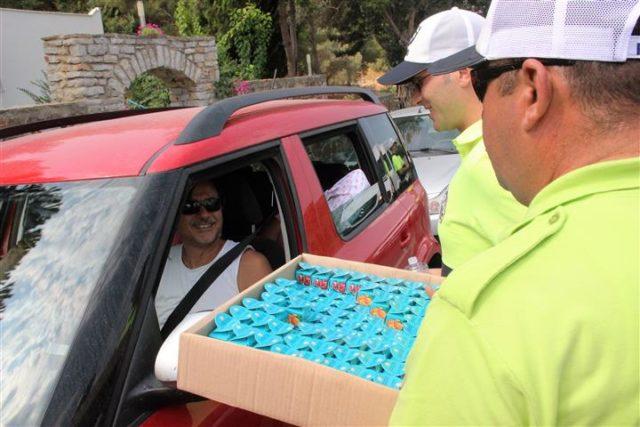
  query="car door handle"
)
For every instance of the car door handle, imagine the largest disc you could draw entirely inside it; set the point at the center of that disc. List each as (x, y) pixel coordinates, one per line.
(405, 237)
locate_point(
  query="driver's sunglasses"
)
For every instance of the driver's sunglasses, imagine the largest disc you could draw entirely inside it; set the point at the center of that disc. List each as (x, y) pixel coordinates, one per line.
(192, 207)
(485, 74)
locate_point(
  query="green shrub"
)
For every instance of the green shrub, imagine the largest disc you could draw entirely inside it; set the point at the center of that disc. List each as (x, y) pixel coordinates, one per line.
(187, 18)
(242, 50)
(148, 91)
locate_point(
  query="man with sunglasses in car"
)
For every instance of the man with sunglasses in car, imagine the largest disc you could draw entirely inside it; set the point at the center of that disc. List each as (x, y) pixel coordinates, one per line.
(200, 227)
(479, 212)
(542, 329)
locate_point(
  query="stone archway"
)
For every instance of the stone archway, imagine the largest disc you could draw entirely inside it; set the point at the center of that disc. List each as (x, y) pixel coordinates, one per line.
(83, 67)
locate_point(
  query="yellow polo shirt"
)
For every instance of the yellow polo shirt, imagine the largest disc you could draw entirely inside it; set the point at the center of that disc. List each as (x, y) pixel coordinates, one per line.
(479, 212)
(543, 328)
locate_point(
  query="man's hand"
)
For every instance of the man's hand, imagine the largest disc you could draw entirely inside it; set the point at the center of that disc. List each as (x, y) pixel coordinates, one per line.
(432, 289)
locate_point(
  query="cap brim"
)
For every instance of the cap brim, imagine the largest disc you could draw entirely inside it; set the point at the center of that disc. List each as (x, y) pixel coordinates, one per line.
(401, 73)
(463, 59)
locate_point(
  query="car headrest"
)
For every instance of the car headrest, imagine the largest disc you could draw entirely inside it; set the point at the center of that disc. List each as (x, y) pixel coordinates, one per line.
(240, 208)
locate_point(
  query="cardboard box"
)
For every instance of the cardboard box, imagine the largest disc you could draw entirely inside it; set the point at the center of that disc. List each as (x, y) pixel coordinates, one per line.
(286, 388)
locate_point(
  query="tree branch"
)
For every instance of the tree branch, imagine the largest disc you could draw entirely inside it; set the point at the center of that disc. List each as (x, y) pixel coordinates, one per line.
(411, 28)
(394, 27)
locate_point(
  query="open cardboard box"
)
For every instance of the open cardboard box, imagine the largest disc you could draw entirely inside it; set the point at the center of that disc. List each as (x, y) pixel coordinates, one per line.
(286, 388)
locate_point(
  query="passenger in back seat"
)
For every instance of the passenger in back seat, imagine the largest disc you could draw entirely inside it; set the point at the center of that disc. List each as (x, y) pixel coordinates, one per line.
(200, 226)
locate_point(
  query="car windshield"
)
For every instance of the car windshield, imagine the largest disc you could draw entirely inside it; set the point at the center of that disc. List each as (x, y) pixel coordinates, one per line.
(54, 242)
(420, 136)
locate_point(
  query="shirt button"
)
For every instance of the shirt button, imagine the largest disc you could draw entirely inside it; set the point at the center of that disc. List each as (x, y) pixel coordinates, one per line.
(554, 218)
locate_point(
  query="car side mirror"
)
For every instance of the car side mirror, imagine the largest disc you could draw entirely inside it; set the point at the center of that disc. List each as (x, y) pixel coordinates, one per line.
(166, 366)
(152, 391)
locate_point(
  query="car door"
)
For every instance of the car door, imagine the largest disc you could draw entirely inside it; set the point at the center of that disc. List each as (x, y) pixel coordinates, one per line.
(144, 399)
(408, 197)
(350, 208)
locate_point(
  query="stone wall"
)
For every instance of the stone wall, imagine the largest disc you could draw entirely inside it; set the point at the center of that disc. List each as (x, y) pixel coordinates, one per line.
(182, 88)
(37, 113)
(287, 82)
(90, 67)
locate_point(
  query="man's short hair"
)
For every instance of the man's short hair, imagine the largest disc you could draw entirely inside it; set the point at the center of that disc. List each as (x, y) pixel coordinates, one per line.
(608, 93)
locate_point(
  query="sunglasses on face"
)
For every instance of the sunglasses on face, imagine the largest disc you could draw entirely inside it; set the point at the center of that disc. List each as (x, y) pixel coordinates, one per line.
(415, 83)
(485, 74)
(192, 207)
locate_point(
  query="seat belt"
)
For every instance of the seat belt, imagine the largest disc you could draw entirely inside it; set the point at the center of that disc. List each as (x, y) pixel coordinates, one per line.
(203, 283)
(207, 278)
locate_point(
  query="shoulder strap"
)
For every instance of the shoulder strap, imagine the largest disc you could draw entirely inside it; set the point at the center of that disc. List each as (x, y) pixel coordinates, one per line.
(203, 283)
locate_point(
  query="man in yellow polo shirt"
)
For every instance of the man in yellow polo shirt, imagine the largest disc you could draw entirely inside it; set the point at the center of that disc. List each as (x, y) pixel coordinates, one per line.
(479, 212)
(543, 328)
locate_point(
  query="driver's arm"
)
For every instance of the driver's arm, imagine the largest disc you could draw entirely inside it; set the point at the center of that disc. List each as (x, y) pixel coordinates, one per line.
(253, 267)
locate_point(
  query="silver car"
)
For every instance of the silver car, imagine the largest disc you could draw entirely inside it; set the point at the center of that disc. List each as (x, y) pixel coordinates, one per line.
(433, 153)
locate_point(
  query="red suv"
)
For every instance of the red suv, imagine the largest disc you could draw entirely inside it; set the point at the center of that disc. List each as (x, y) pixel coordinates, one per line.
(87, 217)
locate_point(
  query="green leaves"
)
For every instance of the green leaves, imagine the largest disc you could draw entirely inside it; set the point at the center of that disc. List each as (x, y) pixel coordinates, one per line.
(242, 50)
(148, 91)
(187, 18)
(43, 86)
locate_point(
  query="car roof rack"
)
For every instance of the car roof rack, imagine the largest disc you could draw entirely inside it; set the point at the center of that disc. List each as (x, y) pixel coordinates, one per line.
(210, 121)
(17, 130)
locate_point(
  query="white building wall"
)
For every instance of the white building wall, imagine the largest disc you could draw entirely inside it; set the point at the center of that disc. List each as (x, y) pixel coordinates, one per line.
(21, 48)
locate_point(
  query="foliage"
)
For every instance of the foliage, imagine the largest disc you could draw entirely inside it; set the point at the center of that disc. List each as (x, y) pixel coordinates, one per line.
(228, 74)
(148, 91)
(391, 22)
(246, 41)
(149, 30)
(43, 86)
(242, 50)
(187, 18)
(117, 15)
(339, 70)
(217, 14)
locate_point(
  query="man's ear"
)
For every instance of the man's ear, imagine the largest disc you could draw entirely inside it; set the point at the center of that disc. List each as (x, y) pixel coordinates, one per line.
(536, 92)
(464, 77)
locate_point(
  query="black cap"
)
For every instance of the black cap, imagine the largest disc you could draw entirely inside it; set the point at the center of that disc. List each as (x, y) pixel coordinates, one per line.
(401, 73)
(468, 57)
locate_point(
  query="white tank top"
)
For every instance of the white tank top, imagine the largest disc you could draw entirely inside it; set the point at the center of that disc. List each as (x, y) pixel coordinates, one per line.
(177, 280)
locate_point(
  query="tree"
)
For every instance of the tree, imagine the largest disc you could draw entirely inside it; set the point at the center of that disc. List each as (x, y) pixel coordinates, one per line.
(242, 50)
(313, 16)
(287, 21)
(391, 22)
(245, 43)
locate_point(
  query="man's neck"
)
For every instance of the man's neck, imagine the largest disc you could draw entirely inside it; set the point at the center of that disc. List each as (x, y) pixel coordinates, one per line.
(194, 256)
(581, 149)
(598, 147)
(472, 114)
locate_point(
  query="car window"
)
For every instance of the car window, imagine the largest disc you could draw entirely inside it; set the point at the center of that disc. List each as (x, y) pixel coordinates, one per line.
(419, 135)
(55, 242)
(390, 155)
(349, 184)
(247, 202)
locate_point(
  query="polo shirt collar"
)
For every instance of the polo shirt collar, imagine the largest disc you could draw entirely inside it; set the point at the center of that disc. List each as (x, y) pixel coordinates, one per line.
(600, 177)
(468, 139)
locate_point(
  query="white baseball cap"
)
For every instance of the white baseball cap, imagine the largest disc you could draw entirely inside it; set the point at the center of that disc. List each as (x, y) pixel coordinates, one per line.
(439, 36)
(583, 30)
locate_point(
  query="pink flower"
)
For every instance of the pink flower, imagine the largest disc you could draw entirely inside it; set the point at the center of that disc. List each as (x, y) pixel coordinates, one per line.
(149, 30)
(242, 87)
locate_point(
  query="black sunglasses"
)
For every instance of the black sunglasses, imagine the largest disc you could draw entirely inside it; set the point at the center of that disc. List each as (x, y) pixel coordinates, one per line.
(415, 83)
(485, 74)
(192, 207)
